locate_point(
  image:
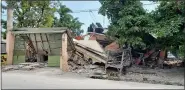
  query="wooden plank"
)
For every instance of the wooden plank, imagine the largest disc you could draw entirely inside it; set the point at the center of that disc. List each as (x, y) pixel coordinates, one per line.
(51, 37)
(57, 36)
(36, 42)
(64, 55)
(37, 56)
(33, 41)
(31, 45)
(55, 51)
(46, 46)
(19, 52)
(48, 43)
(70, 40)
(42, 41)
(55, 45)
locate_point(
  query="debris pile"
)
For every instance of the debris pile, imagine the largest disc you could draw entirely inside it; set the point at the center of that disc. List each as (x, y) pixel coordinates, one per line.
(23, 66)
(173, 76)
(173, 63)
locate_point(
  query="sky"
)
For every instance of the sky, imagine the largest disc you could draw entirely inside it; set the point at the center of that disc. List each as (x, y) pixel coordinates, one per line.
(86, 17)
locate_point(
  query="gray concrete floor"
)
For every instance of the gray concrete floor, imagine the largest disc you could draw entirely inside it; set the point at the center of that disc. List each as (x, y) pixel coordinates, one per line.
(53, 79)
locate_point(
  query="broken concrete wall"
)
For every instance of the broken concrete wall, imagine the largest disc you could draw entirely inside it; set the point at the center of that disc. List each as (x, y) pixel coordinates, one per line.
(53, 61)
(112, 47)
(17, 59)
(19, 52)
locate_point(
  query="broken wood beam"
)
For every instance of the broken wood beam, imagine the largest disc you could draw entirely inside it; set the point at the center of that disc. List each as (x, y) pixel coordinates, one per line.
(48, 44)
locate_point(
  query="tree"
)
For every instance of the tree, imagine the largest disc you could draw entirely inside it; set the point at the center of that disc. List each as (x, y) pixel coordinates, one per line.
(129, 20)
(9, 8)
(30, 13)
(4, 26)
(67, 20)
(34, 13)
(169, 25)
(131, 23)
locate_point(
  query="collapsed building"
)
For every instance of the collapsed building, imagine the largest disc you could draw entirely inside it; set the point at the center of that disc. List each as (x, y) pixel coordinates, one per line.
(49, 45)
(57, 47)
(152, 56)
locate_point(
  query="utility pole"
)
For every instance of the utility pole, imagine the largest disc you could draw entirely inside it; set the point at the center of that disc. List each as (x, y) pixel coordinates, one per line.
(9, 36)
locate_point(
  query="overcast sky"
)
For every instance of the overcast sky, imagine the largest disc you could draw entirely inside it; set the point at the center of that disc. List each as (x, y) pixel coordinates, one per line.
(86, 17)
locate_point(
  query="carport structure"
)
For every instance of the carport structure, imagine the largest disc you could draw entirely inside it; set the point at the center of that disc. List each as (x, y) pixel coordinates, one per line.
(35, 43)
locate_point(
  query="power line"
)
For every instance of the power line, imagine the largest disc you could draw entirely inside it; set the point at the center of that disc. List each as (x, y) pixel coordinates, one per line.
(151, 3)
(92, 17)
(103, 21)
(91, 10)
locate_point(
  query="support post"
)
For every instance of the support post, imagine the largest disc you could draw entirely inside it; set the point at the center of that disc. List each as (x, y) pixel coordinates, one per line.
(9, 37)
(64, 55)
(161, 58)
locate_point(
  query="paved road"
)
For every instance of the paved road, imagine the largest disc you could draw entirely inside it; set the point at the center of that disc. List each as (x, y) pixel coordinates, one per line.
(34, 81)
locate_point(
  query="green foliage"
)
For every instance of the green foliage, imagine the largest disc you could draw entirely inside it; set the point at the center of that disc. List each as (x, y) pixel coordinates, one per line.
(3, 34)
(4, 26)
(128, 20)
(67, 20)
(169, 25)
(131, 23)
(169, 18)
(3, 23)
(34, 14)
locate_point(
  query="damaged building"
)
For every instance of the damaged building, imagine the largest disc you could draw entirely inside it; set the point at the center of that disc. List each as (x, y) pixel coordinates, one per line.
(49, 45)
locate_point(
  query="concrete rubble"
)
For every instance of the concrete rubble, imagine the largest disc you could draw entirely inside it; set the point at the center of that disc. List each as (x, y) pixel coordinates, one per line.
(134, 73)
(22, 66)
(173, 76)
